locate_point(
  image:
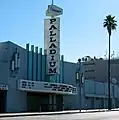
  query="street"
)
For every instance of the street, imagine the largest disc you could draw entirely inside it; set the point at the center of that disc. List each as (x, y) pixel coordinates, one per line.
(112, 115)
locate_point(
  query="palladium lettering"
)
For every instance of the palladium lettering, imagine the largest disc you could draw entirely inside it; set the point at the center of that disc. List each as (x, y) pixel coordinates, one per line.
(53, 46)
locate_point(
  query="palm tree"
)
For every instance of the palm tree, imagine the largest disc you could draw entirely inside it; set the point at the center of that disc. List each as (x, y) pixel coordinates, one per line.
(110, 23)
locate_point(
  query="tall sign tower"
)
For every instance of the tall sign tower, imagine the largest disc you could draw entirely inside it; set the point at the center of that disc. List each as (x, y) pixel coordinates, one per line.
(52, 38)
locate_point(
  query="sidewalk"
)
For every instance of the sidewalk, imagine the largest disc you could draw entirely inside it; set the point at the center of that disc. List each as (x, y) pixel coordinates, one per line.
(53, 113)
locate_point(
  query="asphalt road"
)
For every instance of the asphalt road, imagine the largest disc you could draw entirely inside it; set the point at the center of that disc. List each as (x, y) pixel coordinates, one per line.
(113, 115)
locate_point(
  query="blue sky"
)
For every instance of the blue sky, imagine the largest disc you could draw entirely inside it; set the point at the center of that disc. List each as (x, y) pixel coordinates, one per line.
(22, 21)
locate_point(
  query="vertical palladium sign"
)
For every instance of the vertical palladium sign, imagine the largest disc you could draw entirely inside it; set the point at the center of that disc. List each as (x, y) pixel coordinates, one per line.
(52, 44)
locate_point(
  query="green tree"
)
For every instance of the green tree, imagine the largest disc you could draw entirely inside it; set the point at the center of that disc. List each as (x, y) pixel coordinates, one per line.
(110, 24)
(83, 59)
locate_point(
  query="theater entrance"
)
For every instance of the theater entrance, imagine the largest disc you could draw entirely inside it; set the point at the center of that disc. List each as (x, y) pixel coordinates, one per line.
(44, 102)
(37, 102)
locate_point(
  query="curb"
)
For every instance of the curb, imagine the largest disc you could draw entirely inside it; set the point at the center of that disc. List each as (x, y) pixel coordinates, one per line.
(40, 114)
(36, 114)
(60, 113)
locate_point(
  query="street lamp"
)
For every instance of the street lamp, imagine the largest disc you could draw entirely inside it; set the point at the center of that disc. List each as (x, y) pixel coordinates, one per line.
(79, 81)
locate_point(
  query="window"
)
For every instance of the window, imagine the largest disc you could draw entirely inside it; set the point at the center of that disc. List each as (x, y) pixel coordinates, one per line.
(91, 77)
(89, 64)
(89, 70)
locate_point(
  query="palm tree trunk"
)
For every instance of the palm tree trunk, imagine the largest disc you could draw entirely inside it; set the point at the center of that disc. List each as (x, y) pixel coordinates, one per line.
(109, 96)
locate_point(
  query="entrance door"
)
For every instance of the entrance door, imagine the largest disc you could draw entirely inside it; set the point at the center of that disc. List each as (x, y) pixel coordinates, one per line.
(59, 102)
(2, 101)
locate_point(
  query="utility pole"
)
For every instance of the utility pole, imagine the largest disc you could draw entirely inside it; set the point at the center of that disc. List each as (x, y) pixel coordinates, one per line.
(79, 81)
